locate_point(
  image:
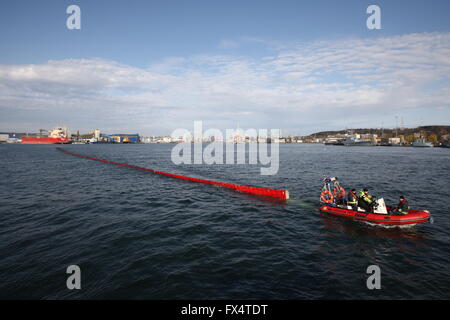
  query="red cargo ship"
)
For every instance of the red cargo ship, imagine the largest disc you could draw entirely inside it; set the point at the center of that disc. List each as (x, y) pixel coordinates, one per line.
(55, 136)
(43, 140)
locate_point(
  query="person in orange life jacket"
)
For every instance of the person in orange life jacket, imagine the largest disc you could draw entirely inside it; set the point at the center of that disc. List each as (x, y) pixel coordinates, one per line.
(340, 197)
(402, 206)
(352, 199)
(339, 193)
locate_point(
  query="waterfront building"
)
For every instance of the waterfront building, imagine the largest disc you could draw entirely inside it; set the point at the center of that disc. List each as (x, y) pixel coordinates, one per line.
(125, 138)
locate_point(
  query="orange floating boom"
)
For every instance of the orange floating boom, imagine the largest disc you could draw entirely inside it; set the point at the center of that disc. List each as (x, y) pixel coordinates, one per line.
(275, 193)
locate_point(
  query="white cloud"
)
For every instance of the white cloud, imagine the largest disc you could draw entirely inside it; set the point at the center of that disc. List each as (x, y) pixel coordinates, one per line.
(323, 81)
(228, 44)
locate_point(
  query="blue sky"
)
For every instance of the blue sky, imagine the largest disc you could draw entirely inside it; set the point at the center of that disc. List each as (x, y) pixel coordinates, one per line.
(152, 66)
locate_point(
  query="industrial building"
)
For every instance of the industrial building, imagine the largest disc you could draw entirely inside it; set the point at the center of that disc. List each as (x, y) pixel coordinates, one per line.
(125, 138)
(96, 136)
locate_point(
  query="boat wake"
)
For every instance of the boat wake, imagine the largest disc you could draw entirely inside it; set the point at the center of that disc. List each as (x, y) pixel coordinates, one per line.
(385, 226)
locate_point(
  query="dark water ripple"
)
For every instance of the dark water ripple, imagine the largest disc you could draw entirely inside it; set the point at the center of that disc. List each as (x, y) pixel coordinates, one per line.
(140, 236)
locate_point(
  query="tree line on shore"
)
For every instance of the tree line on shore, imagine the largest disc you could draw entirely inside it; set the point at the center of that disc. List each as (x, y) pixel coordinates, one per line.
(434, 134)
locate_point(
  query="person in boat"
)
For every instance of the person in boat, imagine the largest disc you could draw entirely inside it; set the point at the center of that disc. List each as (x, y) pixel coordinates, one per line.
(402, 206)
(365, 200)
(339, 194)
(352, 199)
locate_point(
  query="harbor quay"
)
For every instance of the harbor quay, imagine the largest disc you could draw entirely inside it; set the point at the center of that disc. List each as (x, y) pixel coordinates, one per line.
(423, 136)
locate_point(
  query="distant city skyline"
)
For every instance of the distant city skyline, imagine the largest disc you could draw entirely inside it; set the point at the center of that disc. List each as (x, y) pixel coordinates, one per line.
(150, 67)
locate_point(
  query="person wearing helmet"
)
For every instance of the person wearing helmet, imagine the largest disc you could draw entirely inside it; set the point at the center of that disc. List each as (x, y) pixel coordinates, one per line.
(365, 200)
(402, 206)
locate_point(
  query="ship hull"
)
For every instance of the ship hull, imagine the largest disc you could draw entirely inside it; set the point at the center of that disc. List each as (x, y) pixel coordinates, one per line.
(412, 218)
(43, 140)
(418, 145)
(359, 144)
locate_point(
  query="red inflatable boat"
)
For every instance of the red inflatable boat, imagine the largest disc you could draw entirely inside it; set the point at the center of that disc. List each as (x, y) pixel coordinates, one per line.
(413, 217)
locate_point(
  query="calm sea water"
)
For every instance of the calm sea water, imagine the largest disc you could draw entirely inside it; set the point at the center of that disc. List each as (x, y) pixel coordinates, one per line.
(136, 235)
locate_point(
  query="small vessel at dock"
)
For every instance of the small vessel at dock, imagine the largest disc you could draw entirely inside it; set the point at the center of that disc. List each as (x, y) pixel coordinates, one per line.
(421, 143)
(355, 141)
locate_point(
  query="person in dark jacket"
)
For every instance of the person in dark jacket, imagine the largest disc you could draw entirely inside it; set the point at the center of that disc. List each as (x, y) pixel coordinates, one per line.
(352, 199)
(402, 206)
